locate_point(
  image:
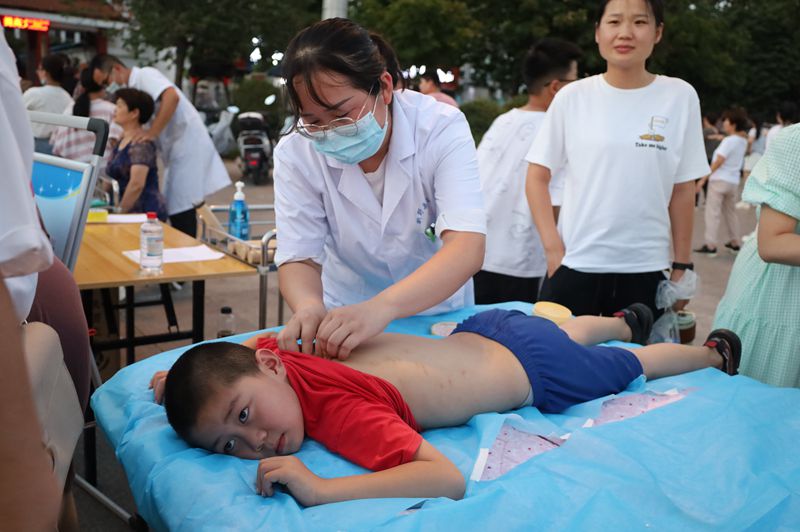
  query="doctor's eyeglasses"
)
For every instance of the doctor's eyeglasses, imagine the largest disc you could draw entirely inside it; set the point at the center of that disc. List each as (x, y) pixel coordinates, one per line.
(345, 126)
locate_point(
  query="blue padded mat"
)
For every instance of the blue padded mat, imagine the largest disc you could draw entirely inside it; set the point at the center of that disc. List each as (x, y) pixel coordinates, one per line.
(724, 457)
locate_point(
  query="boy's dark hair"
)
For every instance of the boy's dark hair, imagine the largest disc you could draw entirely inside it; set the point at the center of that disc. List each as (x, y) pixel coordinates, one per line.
(789, 112)
(137, 100)
(197, 374)
(656, 6)
(340, 46)
(738, 117)
(432, 77)
(547, 60)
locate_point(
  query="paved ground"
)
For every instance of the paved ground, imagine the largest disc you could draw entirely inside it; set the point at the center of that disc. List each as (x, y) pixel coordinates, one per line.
(241, 294)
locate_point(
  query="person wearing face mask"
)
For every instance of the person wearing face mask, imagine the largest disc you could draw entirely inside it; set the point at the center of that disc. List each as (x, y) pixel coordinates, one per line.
(631, 146)
(194, 169)
(377, 194)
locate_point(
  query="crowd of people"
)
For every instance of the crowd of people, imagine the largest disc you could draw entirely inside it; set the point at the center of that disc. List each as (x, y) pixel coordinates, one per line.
(583, 196)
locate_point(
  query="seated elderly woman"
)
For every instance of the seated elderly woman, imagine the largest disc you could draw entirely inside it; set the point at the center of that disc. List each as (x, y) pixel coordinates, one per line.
(133, 163)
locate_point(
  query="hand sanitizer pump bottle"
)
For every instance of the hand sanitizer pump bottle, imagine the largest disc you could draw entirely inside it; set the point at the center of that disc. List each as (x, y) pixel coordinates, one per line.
(239, 216)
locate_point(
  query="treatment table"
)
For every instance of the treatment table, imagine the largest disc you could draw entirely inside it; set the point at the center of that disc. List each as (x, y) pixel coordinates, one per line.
(719, 453)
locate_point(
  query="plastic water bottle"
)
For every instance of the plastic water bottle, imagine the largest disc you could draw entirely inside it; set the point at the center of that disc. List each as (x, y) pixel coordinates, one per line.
(227, 323)
(151, 245)
(239, 216)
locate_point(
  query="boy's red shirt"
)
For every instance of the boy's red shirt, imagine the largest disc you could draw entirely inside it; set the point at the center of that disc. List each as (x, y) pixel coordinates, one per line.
(361, 417)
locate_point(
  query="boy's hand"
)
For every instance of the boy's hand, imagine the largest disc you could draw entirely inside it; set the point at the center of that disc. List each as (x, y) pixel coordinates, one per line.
(304, 485)
(157, 384)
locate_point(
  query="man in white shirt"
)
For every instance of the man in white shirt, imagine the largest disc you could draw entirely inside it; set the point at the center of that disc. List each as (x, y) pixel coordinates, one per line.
(194, 169)
(515, 262)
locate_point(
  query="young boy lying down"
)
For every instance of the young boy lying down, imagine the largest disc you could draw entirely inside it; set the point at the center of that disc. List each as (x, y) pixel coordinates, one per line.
(255, 401)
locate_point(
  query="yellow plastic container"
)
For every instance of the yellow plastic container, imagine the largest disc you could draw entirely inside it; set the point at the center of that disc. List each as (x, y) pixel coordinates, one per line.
(97, 216)
(554, 312)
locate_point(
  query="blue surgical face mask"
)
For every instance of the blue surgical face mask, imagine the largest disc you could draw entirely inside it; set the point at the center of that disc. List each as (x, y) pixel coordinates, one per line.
(365, 143)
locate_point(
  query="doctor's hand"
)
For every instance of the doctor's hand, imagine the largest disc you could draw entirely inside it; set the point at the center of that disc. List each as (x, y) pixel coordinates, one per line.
(345, 328)
(302, 326)
(143, 136)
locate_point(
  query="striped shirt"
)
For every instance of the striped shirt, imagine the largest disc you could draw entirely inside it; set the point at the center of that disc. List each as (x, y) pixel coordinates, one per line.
(77, 144)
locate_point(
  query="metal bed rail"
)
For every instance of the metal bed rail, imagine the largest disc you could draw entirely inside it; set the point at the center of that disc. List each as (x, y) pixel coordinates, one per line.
(213, 232)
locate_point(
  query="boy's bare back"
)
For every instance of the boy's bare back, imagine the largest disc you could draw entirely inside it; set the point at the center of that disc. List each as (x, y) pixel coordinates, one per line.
(445, 381)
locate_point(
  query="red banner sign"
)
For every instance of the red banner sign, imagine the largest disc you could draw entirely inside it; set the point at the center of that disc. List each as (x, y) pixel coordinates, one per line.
(26, 23)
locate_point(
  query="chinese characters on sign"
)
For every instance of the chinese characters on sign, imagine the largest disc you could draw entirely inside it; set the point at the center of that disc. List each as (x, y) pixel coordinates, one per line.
(26, 23)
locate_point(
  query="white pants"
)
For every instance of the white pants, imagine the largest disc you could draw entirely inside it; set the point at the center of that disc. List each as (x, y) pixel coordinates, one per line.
(721, 207)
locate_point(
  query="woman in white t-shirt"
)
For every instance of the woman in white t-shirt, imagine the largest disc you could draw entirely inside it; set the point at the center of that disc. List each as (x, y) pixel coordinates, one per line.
(723, 183)
(631, 144)
(50, 97)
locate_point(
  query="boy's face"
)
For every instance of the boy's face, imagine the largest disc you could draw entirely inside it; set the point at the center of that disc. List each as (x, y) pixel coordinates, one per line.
(258, 416)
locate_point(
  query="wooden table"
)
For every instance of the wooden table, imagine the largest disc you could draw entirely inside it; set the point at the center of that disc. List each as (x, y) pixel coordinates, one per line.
(101, 264)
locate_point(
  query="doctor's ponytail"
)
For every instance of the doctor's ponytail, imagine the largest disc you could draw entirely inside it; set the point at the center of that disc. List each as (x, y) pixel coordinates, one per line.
(339, 46)
(390, 61)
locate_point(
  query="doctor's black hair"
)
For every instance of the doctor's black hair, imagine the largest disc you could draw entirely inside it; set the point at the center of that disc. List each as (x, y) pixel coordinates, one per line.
(339, 46)
(137, 100)
(548, 59)
(104, 62)
(197, 375)
(656, 6)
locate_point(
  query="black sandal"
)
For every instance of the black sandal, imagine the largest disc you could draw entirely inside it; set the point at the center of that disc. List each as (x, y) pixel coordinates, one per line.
(639, 318)
(729, 347)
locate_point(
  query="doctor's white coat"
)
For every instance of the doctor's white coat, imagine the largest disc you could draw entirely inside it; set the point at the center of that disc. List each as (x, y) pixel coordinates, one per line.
(327, 212)
(194, 169)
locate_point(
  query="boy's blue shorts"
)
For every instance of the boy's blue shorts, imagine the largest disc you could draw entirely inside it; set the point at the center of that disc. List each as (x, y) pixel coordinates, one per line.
(562, 372)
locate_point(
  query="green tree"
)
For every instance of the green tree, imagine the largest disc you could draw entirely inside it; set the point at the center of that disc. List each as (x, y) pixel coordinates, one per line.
(215, 31)
(508, 29)
(768, 62)
(422, 32)
(699, 48)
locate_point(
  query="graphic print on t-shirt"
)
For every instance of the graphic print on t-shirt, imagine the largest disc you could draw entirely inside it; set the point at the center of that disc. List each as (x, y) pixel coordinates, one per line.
(655, 123)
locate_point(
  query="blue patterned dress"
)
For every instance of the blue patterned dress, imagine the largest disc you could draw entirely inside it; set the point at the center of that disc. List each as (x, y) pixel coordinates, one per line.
(119, 168)
(762, 301)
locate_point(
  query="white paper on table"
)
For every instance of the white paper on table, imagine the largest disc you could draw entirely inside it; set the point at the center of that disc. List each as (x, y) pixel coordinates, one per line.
(126, 218)
(186, 254)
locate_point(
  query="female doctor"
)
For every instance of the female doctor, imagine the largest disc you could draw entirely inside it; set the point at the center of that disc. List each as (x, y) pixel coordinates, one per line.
(377, 195)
